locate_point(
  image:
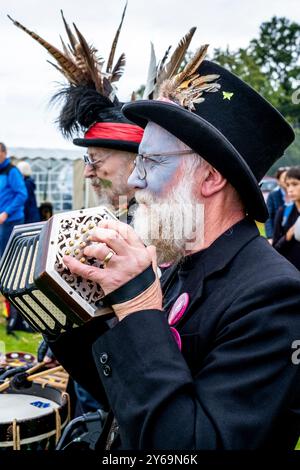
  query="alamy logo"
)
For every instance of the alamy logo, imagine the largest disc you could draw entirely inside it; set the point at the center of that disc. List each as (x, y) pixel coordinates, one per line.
(296, 96)
(296, 353)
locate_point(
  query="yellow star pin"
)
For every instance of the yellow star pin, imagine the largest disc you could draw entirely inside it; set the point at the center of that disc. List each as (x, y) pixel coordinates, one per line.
(227, 95)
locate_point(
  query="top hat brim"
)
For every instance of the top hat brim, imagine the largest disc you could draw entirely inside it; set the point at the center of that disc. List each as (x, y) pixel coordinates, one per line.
(207, 141)
(123, 145)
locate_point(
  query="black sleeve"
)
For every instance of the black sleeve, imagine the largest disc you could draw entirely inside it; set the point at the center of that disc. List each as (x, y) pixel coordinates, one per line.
(241, 388)
(73, 350)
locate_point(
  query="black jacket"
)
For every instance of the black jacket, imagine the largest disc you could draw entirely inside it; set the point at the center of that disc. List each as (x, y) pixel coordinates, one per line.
(31, 212)
(234, 385)
(275, 200)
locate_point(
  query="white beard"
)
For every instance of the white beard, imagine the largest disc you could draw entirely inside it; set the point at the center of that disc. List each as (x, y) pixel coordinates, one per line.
(174, 224)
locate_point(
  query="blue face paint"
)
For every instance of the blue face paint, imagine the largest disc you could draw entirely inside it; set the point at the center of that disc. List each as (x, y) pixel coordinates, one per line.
(160, 169)
(159, 172)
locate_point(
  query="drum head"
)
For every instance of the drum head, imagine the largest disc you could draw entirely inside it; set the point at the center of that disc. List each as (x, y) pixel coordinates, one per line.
(36, 410)
(21, 407)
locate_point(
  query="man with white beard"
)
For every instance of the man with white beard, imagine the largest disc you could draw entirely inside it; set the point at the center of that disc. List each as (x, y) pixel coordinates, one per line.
(205, 360)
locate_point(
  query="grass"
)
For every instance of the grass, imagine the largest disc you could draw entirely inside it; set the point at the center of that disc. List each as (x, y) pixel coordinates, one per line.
(22, 342)
(261, 228)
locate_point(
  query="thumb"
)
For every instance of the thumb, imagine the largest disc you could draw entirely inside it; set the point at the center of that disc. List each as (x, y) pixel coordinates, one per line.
(152, 252)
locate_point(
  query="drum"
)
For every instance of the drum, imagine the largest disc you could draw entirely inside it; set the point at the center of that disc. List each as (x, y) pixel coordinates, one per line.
(58, 379)
(17, 359)
(32, 418)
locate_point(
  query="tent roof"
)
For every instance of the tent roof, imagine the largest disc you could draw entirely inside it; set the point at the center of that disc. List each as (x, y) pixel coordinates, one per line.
(44, 153)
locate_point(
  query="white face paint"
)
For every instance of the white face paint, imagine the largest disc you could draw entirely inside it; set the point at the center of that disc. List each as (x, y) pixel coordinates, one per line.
(168, 215)
(160, 169)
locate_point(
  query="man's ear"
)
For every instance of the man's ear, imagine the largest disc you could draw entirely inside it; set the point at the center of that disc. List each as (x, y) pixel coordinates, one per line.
(212, 181)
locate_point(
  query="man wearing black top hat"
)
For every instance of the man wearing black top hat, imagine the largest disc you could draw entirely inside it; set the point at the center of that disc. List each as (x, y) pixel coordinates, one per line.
(208, 360)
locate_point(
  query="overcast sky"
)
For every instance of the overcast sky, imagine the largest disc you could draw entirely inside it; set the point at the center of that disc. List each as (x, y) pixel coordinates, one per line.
(27, 81)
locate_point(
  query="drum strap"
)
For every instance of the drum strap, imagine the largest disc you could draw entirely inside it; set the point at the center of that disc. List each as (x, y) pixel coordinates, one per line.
(113, 432)
(67, 397)
(57, 425)
(16, 436)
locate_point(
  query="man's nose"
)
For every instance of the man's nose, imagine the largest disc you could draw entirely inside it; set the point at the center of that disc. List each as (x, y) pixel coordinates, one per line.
(88, 171)
(135, 181)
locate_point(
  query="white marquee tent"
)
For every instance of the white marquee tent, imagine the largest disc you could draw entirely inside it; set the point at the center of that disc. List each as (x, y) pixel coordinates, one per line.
(58, 175)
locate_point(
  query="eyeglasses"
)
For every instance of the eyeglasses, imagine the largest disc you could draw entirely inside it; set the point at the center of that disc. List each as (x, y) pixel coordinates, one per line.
(87, 160)
(283, 168)
(142, 158)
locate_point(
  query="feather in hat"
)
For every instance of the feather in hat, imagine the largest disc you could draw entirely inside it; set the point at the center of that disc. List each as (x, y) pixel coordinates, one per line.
(158, 73)
(90, 89)
(187, 87)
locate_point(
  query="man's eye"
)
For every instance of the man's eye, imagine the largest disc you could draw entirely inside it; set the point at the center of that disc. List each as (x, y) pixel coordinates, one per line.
(149, 161)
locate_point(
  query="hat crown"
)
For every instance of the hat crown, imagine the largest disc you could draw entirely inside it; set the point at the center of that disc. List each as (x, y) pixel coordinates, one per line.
(250, 123)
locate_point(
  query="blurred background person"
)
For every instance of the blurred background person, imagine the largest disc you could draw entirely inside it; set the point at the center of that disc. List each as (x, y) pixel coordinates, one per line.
(31, 212)
(276, 199)
(13, 196)
(297, 230)
(284, 240)
(46, 210)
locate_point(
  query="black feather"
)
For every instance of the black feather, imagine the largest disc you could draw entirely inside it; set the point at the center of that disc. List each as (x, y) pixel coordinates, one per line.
(81, 107)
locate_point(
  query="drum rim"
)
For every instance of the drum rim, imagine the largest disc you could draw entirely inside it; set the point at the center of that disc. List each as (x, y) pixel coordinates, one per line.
(33, 428)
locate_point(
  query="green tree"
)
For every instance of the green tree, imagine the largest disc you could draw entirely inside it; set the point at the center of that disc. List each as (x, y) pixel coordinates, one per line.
(270, 63)
(291, 156)
(277, 53)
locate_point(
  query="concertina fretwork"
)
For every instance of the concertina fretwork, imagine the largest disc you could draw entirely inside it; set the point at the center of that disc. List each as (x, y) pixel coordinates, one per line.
(35, 280)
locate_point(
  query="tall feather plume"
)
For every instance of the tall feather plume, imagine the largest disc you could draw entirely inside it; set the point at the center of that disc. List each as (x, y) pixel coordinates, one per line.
(90, 90)
(151, 78)
(115, 42)
(80, 108)
(187, 87)
(161, 65)
(71, 36)
(66, 50)
(88, 54)
(158, 73)
(175, 60)
(118, 69)
(70, 70)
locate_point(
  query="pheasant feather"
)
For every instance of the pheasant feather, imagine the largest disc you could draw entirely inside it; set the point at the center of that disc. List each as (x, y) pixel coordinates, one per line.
(187, 87)
(115, 42)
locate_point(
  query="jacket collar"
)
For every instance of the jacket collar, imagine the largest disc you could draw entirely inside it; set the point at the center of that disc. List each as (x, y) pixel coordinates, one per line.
(206, 262)
(5, 163)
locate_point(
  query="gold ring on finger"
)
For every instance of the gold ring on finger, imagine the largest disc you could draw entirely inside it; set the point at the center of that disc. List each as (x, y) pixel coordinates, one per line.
(109, 255)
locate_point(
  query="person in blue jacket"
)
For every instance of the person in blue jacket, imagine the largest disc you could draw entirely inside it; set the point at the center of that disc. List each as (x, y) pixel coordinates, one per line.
(275, 200)
(31, 212)
(13, 195)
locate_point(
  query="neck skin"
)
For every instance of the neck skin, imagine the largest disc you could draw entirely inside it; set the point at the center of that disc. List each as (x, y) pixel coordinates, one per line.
(221, 211)
(297, 204)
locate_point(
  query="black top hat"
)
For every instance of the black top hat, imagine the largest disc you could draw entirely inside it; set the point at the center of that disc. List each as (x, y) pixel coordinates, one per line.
(234, 129)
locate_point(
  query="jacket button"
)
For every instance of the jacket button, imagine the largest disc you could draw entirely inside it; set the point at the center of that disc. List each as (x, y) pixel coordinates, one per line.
(103, 358)
(106, 370)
